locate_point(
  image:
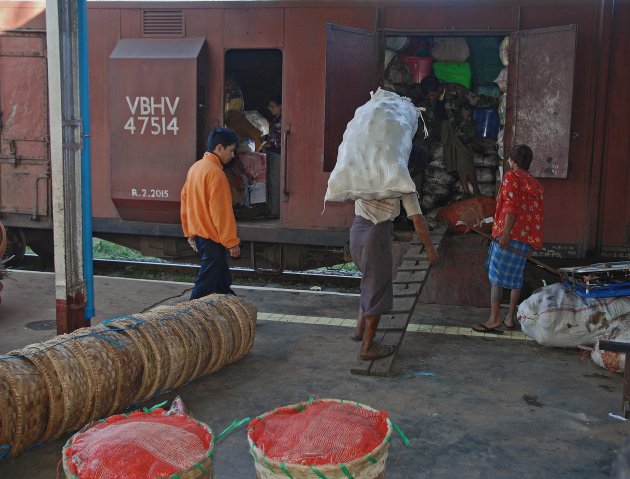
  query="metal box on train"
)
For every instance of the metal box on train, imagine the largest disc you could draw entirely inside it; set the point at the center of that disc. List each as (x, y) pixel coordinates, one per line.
(156, 123)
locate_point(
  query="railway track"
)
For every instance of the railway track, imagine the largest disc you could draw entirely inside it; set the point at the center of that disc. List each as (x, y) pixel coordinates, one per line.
(187, 272)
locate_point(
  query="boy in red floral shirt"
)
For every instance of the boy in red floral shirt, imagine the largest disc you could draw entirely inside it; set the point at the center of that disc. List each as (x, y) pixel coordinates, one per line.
(517, 223)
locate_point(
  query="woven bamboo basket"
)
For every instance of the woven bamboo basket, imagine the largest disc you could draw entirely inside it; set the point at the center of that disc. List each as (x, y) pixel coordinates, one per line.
(184, 318)
(248, 314)
(203, 468)
(190, 341)
(106, 367)
(46, 370)
(216, 335)
(223, 325)
(76, 384)
(370, 466)
(154, 353)
(27, 407)
(129, 368)
(241, 322)
(178, 356)
(235, 322)
(7, 421)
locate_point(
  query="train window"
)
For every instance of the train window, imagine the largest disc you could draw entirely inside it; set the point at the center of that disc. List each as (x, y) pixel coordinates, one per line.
(253, 109)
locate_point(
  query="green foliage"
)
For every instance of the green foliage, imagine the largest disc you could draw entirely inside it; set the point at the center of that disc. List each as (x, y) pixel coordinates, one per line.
(343, 268)
(106, 250)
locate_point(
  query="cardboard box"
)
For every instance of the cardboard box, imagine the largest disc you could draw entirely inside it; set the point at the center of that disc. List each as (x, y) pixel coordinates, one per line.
(237, 121)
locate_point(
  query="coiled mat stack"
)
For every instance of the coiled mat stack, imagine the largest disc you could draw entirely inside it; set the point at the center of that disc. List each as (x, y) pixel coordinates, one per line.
(47, 389)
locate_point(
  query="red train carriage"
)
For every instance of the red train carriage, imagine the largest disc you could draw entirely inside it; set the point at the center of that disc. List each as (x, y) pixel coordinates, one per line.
(160, 74)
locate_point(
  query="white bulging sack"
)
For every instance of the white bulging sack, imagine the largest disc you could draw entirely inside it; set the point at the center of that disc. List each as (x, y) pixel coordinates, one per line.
(373, 156)
(556, 316)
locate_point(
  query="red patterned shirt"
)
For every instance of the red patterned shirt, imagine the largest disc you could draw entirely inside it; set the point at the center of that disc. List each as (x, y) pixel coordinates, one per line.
(520, 195)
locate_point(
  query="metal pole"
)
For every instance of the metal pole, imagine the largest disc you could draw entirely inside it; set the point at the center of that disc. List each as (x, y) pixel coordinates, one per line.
(86, 167)
(65, 143)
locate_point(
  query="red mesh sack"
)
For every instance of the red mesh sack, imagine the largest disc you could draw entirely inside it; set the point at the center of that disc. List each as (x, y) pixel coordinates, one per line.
(466, 210)
(319, 432)
(141, 445)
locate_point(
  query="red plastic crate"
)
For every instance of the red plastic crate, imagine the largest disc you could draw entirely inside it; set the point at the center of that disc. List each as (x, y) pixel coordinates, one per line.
(420, 67)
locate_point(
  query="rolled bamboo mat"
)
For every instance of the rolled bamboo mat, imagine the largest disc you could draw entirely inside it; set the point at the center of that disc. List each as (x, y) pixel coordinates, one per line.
(49, 388)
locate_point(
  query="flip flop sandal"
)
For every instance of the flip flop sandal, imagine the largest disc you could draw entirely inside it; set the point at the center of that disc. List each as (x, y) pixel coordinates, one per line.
(482, 328)
(382, 351)
(357, 338)
(511, 328)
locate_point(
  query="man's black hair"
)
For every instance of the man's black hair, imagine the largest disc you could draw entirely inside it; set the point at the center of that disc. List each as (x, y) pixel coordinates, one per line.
(429, 83)
(221, 136)
(522, 156)
(277, 99)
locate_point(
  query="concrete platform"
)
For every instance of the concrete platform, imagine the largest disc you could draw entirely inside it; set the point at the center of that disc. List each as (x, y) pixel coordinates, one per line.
(493, 407)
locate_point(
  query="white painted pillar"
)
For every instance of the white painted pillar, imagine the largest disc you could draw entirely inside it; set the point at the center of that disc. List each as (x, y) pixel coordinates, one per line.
(65, 158)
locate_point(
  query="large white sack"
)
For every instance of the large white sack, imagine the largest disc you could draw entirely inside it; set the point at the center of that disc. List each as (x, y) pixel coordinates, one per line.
(450, 49)
(619, 330)
(373, 156)
(556, 316)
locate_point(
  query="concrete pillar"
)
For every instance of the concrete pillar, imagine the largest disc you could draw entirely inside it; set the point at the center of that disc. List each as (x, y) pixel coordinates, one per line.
(65, 145)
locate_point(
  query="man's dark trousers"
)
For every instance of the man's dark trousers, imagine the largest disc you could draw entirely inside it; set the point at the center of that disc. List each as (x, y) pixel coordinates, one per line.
(214, 273)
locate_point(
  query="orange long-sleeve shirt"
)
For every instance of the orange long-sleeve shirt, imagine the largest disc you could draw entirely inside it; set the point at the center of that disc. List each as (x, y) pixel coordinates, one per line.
(206, 209)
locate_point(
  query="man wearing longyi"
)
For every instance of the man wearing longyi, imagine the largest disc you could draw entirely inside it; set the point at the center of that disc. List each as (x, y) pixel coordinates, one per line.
(516, 229)
(372, 169)
(371, 238)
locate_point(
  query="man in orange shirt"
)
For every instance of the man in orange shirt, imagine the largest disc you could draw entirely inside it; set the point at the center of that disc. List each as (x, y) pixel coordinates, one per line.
(207, 215)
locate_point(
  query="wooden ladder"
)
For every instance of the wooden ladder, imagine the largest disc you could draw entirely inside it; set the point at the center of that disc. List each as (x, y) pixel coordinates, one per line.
(408, 284)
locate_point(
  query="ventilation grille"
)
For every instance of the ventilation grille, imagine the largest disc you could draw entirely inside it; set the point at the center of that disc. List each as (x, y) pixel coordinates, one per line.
(163, 23)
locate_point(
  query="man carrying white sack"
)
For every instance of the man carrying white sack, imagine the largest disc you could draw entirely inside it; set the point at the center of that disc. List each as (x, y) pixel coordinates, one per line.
(371, 238)
(372, 170)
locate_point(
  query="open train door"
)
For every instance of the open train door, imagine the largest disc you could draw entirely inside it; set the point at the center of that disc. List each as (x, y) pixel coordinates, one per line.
(541, 72)
(351, 74)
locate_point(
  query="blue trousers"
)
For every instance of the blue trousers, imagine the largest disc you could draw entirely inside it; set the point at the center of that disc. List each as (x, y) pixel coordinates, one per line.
(214, 274)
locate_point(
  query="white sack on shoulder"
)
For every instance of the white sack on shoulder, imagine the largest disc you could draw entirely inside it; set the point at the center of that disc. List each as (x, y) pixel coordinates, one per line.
(556, 316)
(373, 156)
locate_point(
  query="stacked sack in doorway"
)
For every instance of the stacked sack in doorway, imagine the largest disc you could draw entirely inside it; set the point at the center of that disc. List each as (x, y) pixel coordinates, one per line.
(441, 188)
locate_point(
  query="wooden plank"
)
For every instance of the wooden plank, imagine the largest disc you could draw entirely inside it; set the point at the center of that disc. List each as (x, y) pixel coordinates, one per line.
(414, 251)
(382, 367)
(409, 264)
(361, 368)
(410, 277)
(393, 322)
(406, 289)
(403, 305)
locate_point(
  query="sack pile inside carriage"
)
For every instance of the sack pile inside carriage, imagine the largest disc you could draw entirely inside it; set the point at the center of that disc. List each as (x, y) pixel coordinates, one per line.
(461, 83)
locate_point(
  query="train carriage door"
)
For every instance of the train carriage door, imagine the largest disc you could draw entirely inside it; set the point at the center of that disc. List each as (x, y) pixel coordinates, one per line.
(541, 72)
(253, 109)
(24, 163)
(351, 73)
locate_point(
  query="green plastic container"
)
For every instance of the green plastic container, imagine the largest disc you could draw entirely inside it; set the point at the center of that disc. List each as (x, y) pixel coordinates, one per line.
(452, 72)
